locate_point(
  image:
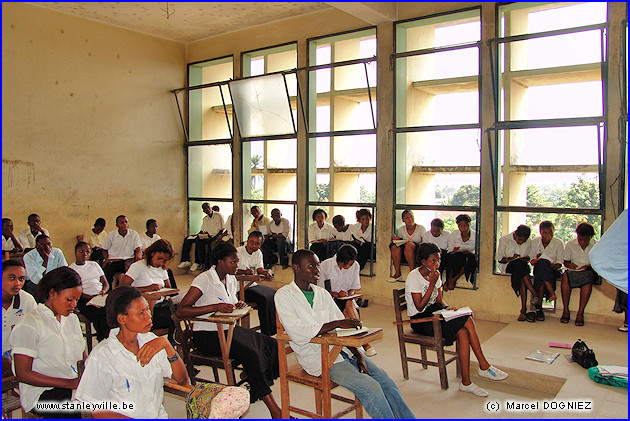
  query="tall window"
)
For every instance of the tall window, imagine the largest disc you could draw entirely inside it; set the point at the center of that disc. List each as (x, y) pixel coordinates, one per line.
(438, 130)
(550, 115)
(209, 143)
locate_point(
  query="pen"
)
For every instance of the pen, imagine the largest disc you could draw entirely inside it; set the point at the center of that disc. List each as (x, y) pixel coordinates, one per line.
(127, 380)
(221, 299)
(74, 369)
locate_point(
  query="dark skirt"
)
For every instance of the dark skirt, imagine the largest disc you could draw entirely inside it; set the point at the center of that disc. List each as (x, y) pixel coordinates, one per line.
(544, 272)
(621, 302)
(57, 394)
(579, 278)
(96, 315)
(449, 329)
(458, 260)
(257, 352)
(320, 250)
(518, 269)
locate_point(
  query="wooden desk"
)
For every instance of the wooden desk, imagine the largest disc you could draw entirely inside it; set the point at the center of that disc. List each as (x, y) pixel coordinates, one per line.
(156, 295)
(245, 281)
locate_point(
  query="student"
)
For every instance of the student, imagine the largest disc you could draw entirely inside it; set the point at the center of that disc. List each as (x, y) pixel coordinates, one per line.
(260, 221)
(513, 256)
(340, 235)
(424, 296)
(9, 242)
(209, 236)
(278, 239)
(93, 283)
(149, 274)
(48, 343)
(306, 310)
(547, 254)
(129, 367)
(95, 237)
(339, 275)
(41, 260)
(150, 236)
(120, 249)
(319, 232)
(579, 273)
(436, 235)
(229, 230)
(362, 237)
(15, 305)
(217, 290)
(250, 261)
(27, 236)
(461, 253)
(412, 233)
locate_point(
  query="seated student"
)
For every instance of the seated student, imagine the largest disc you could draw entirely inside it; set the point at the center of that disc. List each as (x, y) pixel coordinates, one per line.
(149, 274)
(209, 237)
(361, 233)
(340, 235)
(27, 235)
(319, 232)
(41, 260)
(95, 237)
(306, 310)
(424, 296)
(513, 256)
(10, 244)
(150, 236)
(120, 249)
(461, 253)
(250, 261)
(547, 254)
(94, 283)
(260, 221)
(229, 230)
(278, 238)
(48, 343)
(579, 273)
(217, 290)
(339, 275)
(15, 305)
(436, 235)
(130, 365)
(412, 233)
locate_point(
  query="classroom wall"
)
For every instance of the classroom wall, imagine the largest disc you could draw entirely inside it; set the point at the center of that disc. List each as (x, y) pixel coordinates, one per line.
(90, 128)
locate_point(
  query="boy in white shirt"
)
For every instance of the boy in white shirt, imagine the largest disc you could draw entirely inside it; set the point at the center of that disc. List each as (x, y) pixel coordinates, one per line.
(150, 236)
(547, 253)
(10, 243)
(27, 236)
(277, 239)
(120, 249)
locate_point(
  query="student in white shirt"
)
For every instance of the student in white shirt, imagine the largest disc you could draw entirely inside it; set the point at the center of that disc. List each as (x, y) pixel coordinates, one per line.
(150, 236)
(250, 262)
(260, 221)
(9, 242)
(95, 237)
(513, 256)
(48, 343)
(412, 233)
(362, 237)
(579, 273)
(461, 258)
(15, 305)
(319, 232)
(436, 235)
(217, 290)
(120, 249)
(341, 234)
(210, 235)
(40, 261)
(94, 283)
(339, 275)
(129, 367)
(547, 253)
(278, 239)
(306, 310)
(27, 235)
(424, 296)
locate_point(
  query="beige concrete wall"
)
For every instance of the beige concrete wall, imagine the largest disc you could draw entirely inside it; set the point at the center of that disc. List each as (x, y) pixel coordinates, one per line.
(89, 126)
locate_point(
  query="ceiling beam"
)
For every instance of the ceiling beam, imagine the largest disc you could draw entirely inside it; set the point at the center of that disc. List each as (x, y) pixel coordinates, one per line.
(373, 13)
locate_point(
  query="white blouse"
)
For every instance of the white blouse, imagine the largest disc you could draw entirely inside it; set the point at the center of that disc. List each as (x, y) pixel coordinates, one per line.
(418, 284)
(213, 292)
(415, 236)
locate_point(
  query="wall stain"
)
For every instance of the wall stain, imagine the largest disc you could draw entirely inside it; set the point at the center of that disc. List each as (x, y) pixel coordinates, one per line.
(17, 173)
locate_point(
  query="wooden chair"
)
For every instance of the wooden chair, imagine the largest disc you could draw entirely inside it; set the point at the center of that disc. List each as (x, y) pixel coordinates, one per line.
(435, 342)
(10, 397)
(296, 373)
(183, 341)
(88, 328)
(244, 282)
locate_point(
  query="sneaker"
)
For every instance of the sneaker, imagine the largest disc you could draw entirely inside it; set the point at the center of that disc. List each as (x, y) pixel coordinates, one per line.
(394, 279)
(370, 352)
(183, 265)
(623, 328)
(194, 267)
(492, 373)
(474, 389)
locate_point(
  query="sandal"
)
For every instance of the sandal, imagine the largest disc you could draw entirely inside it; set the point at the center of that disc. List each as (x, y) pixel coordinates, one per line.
(531, 317)
(565, 317)
(579, 320)
(521, 317)
(540, 316)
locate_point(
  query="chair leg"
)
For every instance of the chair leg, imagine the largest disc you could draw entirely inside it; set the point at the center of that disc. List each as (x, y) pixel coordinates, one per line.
(215, 372)
(88, 335)
(442, 367)
(318, 401)
(423, 353)
(359, 409)
(403, 359)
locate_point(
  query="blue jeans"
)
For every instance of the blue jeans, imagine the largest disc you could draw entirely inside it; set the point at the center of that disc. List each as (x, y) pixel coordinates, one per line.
(376, 391)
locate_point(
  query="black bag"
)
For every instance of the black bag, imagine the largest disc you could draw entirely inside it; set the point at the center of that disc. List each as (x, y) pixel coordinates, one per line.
(583, 355)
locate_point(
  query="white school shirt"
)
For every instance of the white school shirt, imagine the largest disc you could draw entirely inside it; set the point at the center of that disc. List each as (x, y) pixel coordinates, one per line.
(90, 274)
(247, 261)
(455, 240)
(441, 241)
(7, 244)
(284, 228)
(213, 292)
(146, 241)
(113, 374)
(554, 252)
(340, 279)
(508, 248)
(261, 226)
(95, 240)
(228, 228)
(573, 252)
(119, 247)
(33, 263)
(21, 304)
(317, 233)
(212, 225)
(303, 322)
(54, 346)
(342, 235)
(415, 236)
(144, 275)
(416, 283)
(26, 238)
(358, 232)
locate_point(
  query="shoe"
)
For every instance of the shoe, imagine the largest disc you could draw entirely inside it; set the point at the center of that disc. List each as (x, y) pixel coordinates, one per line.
(370, 352)
(474, 389)
(566, 316)
(183, 265)
(623, 328)
(365, 303)
(492, 373)
(285, 266)
(540, 316)
(521, 317)
(359, 302)
(579, 319)
(194, 267)
(531, 317)
(394, 279)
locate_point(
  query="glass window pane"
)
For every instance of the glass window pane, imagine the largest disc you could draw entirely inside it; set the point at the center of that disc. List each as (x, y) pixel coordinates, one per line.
(207, 119)
(322, 158)
(350, 77)
(353, 112)
(210, 171)
(196, 214)
(282, 153)
(428, 149)
(321, 193)
(210, 71)
(355, 151)
(541, 17)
